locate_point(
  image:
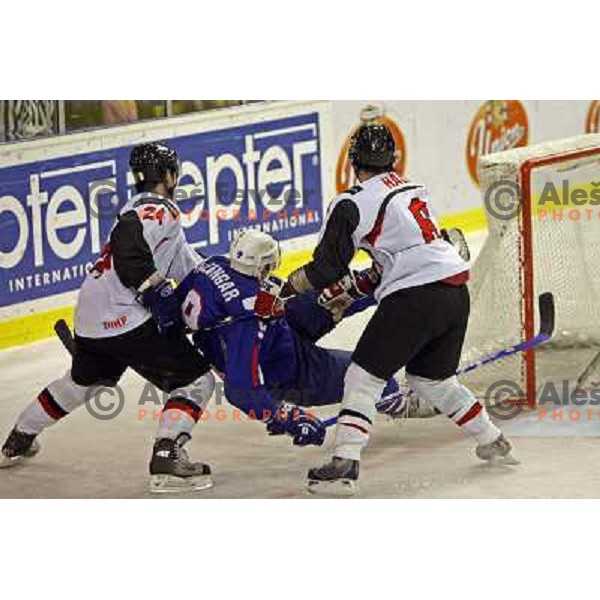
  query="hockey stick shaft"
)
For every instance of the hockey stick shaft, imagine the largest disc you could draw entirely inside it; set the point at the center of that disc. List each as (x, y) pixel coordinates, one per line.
(62, 330)
(591, 368)
(547, 318)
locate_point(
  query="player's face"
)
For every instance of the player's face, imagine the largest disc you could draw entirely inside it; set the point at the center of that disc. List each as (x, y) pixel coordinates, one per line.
(264, 272)
(171, 182)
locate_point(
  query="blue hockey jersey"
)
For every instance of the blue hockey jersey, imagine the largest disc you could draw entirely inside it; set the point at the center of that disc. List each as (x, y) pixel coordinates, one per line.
(253, 354)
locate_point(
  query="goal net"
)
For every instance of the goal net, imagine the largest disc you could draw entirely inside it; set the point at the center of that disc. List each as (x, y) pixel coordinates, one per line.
(551, 245)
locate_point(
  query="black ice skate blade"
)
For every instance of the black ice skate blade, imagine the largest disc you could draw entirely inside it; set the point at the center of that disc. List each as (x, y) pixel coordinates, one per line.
(13, 461)
(338, 488)
(169, 484)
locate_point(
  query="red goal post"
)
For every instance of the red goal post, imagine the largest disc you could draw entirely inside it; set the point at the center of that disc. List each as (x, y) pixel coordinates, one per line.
(531, 253)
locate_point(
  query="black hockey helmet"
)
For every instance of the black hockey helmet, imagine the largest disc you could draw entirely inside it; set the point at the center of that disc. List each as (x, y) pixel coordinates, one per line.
(152, 161)
(372, 147)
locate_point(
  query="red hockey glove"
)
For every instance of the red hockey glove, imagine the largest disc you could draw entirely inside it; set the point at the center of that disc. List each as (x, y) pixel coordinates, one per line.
(268, 300)
(338, 297)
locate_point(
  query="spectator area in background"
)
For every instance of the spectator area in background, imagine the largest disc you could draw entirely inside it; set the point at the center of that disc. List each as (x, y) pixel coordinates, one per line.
(28, 119)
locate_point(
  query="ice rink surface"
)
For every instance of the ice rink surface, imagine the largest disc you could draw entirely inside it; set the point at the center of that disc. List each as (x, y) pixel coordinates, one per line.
(83, 457)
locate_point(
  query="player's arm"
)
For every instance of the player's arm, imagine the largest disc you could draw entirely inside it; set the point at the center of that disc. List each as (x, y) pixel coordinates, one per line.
(335, 250)
(134, 264)
(352, 294)
(245, 389)
(315, 314)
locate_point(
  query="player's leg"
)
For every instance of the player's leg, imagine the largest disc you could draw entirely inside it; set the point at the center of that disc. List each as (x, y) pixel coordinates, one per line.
(90, 367)
(320, 382)
(174, 366)
(390, 339)
(422, 328)
(402, 402)
(431, 373)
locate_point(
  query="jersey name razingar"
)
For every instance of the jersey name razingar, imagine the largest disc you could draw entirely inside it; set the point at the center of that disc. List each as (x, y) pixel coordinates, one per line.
(222, 280)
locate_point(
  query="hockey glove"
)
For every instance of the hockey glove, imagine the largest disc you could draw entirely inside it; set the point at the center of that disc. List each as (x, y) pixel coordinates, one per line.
(297, 283)
(303, 427)
(165, 305)
(456, 237)
(268, 300)
(338, 297)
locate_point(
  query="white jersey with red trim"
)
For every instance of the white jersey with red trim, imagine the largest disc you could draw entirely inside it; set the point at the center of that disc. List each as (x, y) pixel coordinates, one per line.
(397, 229)
(105, 306)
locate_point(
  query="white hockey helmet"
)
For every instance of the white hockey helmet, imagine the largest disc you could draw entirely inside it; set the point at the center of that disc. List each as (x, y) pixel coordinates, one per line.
(254, 253)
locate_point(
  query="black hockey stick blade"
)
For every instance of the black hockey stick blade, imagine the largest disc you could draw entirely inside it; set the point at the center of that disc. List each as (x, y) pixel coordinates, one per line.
(547, 313)
(62, 330)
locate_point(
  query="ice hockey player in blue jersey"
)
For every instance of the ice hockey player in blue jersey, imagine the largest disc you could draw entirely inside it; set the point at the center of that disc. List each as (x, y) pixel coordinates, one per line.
(272, 364)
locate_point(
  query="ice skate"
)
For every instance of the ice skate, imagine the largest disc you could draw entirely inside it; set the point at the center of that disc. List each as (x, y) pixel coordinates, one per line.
(497, 452)
(405, 404)
(171, 470)
(17, 448)
(337, 478)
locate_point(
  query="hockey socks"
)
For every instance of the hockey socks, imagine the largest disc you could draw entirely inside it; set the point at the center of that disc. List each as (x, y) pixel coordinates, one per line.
(361, 391)
(459, 404)
(54, 402)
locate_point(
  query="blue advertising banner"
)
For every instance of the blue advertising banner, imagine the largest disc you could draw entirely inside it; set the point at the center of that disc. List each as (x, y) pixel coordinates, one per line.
(56, 214)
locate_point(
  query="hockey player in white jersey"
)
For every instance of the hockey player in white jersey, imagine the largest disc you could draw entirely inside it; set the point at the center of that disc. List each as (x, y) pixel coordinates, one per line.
(422, 313)
(127, 315)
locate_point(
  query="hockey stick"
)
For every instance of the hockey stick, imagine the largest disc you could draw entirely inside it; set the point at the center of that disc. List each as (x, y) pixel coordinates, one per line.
(592, 366)
(547, 317)
(547, 314)
(457, 238)
(62, 330)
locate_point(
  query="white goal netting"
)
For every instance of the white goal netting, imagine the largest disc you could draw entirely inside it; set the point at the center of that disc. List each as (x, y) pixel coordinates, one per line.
(553, 245)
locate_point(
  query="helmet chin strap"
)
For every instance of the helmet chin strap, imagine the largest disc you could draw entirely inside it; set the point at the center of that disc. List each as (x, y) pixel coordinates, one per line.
(357, 169)
(171, 189)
